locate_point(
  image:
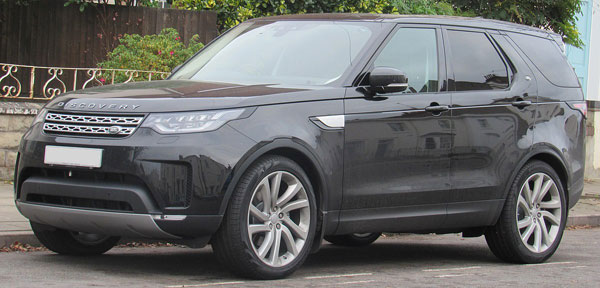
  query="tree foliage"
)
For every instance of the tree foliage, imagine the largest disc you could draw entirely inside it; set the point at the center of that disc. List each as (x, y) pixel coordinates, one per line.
(19, 2)
(161, 52)
(233, 12)
(83, 4)
(556, 15)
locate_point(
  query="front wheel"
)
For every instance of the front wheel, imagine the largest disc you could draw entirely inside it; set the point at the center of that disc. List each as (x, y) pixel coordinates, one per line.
(73, 243)
(270, 222)
(533, 218)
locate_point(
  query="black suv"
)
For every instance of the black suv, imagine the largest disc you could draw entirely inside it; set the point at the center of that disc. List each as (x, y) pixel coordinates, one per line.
(288, 130)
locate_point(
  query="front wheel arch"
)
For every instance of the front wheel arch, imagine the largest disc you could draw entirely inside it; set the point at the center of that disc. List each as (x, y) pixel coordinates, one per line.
(288, 148)
(299, 153)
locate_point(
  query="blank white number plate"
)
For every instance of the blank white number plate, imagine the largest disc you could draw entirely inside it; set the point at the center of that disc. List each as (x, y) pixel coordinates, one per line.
(73, 156)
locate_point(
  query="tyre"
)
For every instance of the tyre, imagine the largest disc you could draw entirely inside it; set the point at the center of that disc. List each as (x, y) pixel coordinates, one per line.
(533, 218)
(269, 226)
(72, 243)
(353, 240)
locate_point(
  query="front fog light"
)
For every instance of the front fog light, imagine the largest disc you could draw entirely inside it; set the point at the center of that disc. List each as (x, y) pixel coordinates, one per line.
(190, 122)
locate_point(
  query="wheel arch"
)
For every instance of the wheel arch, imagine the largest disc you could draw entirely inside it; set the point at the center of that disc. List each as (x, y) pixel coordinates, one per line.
(294, 150)
(559, 167)
(548, 155)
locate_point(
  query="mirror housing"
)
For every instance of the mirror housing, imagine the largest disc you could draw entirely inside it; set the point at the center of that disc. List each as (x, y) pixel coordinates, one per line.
(387, 80)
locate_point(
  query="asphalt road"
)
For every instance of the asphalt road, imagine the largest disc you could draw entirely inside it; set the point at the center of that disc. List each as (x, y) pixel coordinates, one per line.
(407, 261)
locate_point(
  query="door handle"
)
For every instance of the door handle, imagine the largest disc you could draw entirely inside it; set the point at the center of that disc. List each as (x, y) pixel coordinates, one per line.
(521, 104)
(437, 109)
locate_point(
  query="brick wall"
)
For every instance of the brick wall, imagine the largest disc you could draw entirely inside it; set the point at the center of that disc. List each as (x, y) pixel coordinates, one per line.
(15, 118)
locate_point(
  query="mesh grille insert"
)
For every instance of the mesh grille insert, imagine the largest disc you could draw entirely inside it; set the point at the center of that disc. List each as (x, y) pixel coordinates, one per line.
(96, 125)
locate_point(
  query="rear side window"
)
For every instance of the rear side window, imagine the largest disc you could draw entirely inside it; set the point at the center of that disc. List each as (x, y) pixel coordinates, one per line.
(476, 62)
(547, 57)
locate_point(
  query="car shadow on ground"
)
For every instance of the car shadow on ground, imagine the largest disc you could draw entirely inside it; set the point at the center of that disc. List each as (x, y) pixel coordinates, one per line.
(201, 264)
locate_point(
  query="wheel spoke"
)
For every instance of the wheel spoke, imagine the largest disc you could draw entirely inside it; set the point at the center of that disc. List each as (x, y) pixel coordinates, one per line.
(537, 186)
(266, 245)
(275, 249)
(289, 240)
(525, 222)
(527, 194)
(275, 184)
(545, 236)
(265, 193)
(295, 228)
(524, 204)
(552, 204)
(260, 215)
(550, 217)
(527, 234)
(257, 228)
(537, 241)
(289, 193)
(298, 204)
(544, 190)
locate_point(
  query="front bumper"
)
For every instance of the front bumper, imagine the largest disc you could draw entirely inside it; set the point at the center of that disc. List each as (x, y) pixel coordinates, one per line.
(150, 185)
(98, 222)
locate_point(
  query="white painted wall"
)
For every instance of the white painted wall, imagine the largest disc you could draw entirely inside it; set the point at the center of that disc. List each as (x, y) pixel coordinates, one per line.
(593, 86)
(592, 170)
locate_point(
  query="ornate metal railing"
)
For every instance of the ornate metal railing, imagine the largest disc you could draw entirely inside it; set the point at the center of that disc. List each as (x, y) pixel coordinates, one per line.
(44, 83)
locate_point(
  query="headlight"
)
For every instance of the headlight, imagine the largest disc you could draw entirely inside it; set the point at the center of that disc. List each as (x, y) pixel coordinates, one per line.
(190, 122)
(39, 117)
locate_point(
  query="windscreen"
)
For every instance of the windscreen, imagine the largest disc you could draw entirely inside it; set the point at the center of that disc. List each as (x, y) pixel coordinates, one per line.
(281, 52)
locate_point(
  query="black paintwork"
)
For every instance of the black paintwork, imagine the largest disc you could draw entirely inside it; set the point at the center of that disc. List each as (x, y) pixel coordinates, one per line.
(370, 176)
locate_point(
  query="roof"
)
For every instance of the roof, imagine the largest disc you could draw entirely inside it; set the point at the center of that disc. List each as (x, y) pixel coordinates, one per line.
(476, 22)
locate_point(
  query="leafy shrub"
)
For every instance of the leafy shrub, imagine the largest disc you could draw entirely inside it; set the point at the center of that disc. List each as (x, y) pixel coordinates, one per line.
(161, 52)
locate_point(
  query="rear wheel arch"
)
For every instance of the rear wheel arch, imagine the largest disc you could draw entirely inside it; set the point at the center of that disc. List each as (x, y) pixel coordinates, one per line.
(547, 155)
(559, 167)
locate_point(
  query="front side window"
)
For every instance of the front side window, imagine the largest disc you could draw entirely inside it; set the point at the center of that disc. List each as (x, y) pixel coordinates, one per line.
(476, 62)
(281, 52)
(414, 52)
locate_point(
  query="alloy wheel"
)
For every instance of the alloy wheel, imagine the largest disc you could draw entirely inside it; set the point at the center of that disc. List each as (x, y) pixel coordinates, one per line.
(278, 218)
(539, 212)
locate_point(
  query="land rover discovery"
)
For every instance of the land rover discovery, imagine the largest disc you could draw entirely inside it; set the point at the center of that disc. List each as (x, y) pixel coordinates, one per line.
(289, 130)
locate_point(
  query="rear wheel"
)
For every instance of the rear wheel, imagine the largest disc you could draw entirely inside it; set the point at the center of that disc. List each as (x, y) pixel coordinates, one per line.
(533, 219)
(353, 240)
(73, 243)
(270, 222)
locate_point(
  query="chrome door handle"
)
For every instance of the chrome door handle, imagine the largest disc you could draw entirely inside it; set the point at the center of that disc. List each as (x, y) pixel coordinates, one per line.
(521, 104)
(437, 109)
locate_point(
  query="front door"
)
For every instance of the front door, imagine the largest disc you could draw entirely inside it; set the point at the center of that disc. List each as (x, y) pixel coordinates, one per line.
(397, 145)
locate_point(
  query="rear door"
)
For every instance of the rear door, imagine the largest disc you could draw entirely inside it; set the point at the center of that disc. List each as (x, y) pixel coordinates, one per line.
(492, 92)
(397, 149)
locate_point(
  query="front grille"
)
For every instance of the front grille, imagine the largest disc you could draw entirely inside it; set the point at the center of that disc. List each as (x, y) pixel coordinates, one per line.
(97, 125)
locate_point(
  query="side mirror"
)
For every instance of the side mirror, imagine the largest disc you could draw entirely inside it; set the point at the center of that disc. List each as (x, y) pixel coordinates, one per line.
(387, 80)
